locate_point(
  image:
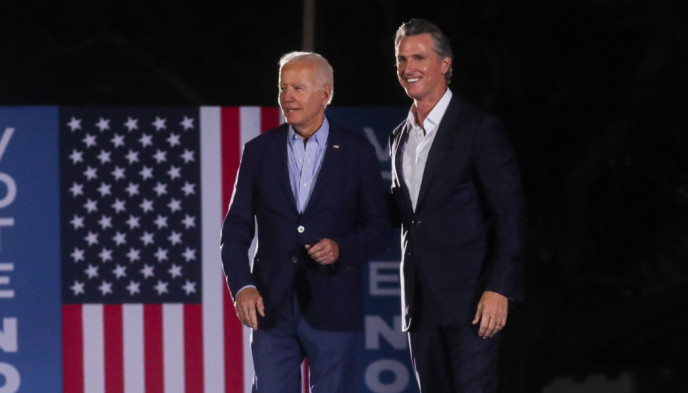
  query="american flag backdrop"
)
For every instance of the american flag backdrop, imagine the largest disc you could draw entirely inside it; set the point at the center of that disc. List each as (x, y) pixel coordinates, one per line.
(143, 193)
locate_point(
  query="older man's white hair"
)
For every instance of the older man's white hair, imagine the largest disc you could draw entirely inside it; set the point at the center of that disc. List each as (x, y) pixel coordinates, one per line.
(325, 72)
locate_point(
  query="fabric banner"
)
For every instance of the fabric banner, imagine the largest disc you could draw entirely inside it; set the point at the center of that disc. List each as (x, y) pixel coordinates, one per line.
(110, 274)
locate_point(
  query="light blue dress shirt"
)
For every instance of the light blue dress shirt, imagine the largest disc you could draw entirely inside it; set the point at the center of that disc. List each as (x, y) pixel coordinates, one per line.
(305, 160)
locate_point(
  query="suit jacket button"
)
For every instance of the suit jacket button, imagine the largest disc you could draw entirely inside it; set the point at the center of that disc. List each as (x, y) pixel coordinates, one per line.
(294, 258)
(413, 222)
(300, 229)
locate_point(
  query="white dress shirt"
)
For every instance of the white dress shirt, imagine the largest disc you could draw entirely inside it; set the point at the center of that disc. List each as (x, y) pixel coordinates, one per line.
(418, 145)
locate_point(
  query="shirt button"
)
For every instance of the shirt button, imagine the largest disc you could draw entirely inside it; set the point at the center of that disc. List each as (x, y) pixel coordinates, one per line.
(300, 229)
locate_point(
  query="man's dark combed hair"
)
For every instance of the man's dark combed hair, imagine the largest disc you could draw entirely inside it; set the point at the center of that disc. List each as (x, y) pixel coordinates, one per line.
(441, 43)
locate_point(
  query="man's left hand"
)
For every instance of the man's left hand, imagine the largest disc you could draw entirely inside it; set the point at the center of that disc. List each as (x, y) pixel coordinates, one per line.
(491, 314)
(325, 251)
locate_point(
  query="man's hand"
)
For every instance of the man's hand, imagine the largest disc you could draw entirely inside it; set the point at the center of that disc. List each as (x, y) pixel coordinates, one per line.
(248, 301)
(491, 314)
(325, 252)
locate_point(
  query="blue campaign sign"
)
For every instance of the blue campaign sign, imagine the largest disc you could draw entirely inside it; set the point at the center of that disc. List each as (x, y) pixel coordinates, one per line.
(30, 316)
(387, 360)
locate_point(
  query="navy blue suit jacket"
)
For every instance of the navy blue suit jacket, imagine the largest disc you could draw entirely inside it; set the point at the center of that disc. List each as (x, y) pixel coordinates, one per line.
(347, 205)
(466, 235)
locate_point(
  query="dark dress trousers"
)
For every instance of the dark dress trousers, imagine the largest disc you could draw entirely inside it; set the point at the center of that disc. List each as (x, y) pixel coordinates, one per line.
(465, 237)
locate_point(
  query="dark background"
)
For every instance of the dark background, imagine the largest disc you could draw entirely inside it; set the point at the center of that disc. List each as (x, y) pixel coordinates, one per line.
(593, 92)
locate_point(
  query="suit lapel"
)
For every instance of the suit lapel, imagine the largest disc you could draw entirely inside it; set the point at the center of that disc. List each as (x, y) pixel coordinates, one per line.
(279, 147)
(398, 161)
(440, 146)
(331, 162)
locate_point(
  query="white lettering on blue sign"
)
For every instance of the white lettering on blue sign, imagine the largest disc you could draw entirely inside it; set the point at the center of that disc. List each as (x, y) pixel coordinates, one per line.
(11, 377)
(8, 335)
(387, 376)
(375, 327)
(384, 279)
(5, 280)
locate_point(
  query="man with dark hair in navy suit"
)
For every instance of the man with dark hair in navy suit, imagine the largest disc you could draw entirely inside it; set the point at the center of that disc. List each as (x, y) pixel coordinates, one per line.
(457, 188)
(314, 194)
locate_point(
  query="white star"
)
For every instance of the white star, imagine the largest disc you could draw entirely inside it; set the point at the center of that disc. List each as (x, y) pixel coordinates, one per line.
(119, 238)
(161, 287)
(146, 205)
(134, 255)
(74, 124)
(147, 238)
(161, 254)
(174, 172)
(105, 288)
(104, 189)
(105, 222)
(77, 288)
(188, 156)
(160, 189)
(133, 222)
(160, 156)
(103, 124)
(77, 222)
(89, 140)
(146, 140)
(118, 173)
(76, 189)
(105, 255)
(91, 238)
(76, 156)
(91, 206)
(132, 156)
(118, 205)
(132, 189)
(133, 287)
(175, 238)
(132, 124)
(146, 173)
(104, 156)
(175, 271)
(187, 123)
(91, 173)
(92, 271)
(77, 255)
(118, 140)
(189, 221)
(161, 221)
(189, 188)
(189, 254)
(189, 287)
(175, 205)
(159, 123)
(173, 140)
(119, 271)
(147, 271)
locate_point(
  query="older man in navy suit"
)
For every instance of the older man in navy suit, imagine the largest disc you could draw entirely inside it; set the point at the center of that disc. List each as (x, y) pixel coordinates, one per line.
(313, 193)
(457, 187)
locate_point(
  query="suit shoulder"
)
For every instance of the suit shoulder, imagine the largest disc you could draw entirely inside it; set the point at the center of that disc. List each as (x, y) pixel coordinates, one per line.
(267, 137)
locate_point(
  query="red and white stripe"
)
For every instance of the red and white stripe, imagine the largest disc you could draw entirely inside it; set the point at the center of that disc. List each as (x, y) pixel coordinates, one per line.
(175, 348)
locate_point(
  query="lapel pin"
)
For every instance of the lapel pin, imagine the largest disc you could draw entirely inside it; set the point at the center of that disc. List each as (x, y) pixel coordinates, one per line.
(335, 146)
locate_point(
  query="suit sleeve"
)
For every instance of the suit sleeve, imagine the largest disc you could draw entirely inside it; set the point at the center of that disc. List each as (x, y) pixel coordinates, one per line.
(371, 236)
(239, 225)
(498, 175)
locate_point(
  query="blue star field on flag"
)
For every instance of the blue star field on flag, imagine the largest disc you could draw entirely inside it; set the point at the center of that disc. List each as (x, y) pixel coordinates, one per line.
(131, 205)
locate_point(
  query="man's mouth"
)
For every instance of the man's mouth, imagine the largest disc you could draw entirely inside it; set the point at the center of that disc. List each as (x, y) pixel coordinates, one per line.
(412, 80)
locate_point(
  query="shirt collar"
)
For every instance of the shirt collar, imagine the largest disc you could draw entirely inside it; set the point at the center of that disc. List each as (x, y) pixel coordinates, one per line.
(436, 114)
(320, 136)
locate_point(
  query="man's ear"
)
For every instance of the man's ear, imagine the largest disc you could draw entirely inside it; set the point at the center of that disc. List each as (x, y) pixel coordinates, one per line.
(327, 93)
(445, 64)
